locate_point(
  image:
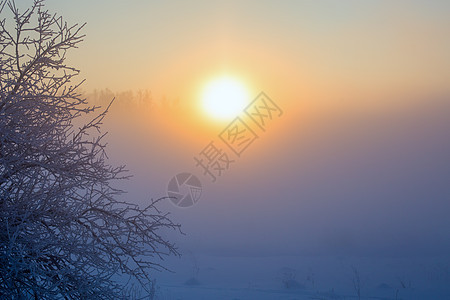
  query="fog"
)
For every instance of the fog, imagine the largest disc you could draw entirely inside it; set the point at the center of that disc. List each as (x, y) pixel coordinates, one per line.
(326, 180)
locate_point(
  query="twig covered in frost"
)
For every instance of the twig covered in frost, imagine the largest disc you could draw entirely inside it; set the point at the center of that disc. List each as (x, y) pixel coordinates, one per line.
(63, 233)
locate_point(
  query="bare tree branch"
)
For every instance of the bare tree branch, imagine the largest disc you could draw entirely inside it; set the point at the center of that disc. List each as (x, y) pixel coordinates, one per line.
(63, 233)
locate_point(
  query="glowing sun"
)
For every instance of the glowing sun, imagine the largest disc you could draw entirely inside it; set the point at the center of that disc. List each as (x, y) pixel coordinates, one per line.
(224, 98)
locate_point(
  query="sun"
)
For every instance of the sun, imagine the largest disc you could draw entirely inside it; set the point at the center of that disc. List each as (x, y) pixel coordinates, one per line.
(224, 98)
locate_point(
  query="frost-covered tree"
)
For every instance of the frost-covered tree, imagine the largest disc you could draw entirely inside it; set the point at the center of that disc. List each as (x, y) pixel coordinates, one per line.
(63, 232)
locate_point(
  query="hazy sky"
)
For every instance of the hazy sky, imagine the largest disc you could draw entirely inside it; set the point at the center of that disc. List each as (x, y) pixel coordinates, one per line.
(296, 49)
(358, 163)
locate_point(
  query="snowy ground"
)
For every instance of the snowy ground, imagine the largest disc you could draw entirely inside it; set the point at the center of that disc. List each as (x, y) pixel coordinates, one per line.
(289, 278)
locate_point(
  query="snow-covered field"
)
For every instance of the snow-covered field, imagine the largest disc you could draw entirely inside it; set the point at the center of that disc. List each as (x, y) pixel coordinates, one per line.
(294, 277)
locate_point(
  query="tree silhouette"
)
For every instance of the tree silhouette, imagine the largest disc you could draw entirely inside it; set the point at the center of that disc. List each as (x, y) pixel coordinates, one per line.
(63, 233)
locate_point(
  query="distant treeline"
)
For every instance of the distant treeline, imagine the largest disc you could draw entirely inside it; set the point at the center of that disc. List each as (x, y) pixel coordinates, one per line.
(129, 98)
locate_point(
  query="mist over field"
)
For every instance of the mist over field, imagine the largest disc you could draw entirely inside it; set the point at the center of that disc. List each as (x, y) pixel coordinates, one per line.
(368, 189)
(369, 181)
